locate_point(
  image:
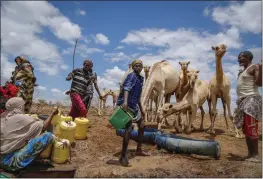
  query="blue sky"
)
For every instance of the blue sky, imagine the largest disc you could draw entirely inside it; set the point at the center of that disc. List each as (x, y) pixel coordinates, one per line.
(114, 33)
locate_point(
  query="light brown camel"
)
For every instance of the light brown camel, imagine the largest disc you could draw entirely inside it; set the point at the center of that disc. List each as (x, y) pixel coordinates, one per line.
(196, 96)
(164, 79)
(109, 92)
(153, 96)
(184, 86)
(220, 87)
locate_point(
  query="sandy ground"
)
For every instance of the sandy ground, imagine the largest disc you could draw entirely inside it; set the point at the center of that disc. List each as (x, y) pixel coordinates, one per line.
(97, 156)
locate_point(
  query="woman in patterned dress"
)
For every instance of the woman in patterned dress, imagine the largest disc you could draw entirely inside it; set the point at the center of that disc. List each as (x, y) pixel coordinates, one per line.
(24, 74)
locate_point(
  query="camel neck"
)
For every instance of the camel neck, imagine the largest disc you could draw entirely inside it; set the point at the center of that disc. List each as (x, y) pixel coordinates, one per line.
(219, 70)
(185, 78)
(146, 75)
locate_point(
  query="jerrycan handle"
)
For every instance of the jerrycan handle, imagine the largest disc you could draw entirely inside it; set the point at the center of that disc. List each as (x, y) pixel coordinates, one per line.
(133, 118)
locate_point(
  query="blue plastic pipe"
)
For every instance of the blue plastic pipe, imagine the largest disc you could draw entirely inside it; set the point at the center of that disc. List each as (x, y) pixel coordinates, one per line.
(184, 145)
(148, 136)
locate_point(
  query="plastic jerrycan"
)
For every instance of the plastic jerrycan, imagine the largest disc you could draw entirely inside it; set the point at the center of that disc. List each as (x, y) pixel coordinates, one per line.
(34, 115)
(61, 151)
(46, 153)
(67, 130)
(81, 128)
(120, 118)
(55, 123)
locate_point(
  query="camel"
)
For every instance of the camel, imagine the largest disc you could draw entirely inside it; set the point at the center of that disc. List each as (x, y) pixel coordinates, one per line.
(184, 86)
(196, 96)
(106, 93)
(153, 96)
(163, 79)
(220, 87)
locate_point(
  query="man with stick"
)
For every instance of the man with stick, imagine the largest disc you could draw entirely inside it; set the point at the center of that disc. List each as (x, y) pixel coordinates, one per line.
(81, 92)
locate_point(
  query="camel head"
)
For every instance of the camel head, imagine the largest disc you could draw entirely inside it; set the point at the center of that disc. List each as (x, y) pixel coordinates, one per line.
(192, 76)
(184, 65)
(220, 50)
(146, 69)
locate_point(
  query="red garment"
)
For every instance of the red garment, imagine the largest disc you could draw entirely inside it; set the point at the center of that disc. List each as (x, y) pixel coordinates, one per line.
(12, 90)
(3, 92)
(78, 108)
(250, 127)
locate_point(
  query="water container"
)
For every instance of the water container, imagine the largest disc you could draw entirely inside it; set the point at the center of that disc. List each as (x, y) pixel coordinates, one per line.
(46, 153)
(34, 116)
(61, 151)
(67, 130)
(56, 118)
(66, 118)
(120, 118)
(81, 128)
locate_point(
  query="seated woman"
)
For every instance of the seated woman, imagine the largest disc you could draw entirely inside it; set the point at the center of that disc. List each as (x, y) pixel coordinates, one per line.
(22, 139)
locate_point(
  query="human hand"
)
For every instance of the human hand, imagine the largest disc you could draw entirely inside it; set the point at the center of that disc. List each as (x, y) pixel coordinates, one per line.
(55, 111)
(125, 106)
(68, 78)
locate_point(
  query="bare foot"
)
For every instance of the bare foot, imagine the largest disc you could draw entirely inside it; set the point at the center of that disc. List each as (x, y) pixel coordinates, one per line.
(124, 162)
(253, 159)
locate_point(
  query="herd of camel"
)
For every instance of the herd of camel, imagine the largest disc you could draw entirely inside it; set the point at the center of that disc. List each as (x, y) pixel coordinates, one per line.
(162, 80)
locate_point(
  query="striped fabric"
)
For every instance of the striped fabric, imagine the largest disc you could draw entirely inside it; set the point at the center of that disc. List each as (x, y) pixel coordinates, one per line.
(82, 82)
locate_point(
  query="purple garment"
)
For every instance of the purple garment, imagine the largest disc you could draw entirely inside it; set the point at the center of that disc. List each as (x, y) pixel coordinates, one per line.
(133, 83)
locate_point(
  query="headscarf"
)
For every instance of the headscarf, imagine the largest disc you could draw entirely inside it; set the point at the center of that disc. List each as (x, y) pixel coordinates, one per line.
(16, 127)
(247, 53)
(136, 62)
(23, 59)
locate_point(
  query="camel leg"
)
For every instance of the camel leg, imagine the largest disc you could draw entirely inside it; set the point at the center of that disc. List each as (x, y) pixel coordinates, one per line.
(176, 124)
(239, 133)
(224, 109)
(159, 104)
(213, 114)
(202, 118)
(192, 116)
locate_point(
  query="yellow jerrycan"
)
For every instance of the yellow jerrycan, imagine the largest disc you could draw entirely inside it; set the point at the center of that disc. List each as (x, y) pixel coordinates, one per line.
(46, 153)
(67, 130)
(55, 123)
(81, 128)
(66, 118)
(61, 151)
(34, 116)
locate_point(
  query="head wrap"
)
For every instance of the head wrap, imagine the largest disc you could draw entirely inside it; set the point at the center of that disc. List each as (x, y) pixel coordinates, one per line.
(17, 128)
(247, 53)
(136, 62)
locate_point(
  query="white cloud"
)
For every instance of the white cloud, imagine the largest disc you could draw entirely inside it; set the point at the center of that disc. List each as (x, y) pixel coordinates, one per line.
(55, 90)
(111, 78)
(64, 67)
(257, 54)
(81, 12)
(188, 45)
(245, 16)
(116, 57)
(42, 88)
(206, 11)
(6, 68)
(143, 48)
(119, 47)
(101, 39)
(82, 50)
(21, 25)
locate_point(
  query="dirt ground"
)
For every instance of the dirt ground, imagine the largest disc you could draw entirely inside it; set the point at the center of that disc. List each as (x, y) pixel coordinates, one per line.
(97, 156)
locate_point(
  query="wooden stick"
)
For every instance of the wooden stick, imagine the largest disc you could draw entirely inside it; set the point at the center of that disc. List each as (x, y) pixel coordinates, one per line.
(74, 53)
